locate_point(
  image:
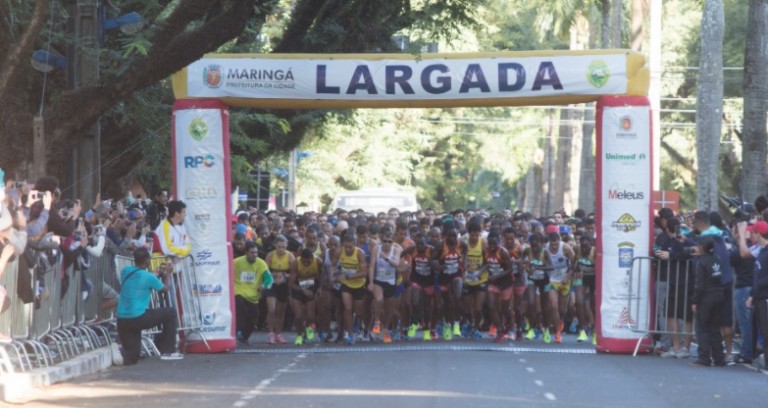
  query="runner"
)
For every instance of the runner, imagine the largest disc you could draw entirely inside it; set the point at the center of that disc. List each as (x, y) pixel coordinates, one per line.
(422, 280)
(449, 264)
(500, 288)
(403, 290)
(583, 279)
(562, 256)
(383, 276)
(249, 271)
(538, 265)
(353, 271)
(329, 301)
(305, 281)
(279, 262)
(515, 248)
(475, 283)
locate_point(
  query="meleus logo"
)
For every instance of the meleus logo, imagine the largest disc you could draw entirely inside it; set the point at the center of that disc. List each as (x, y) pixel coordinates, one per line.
(626, 223)
(624, 193)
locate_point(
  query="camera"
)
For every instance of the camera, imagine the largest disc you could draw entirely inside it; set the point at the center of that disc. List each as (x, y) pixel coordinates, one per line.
(78, 235)
(740, 210)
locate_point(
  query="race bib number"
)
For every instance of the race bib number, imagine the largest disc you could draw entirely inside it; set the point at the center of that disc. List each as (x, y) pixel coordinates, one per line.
(495, 270)
(247, 277)
(472, 277)
(423, 270)
(348, 273)
(451, 268)
(307, 283)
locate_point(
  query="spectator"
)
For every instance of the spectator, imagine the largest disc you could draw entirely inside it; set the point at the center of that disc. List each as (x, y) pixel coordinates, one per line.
(157, 211)
(134, 314)
(707, 304)
(743, 263)
(758, 297)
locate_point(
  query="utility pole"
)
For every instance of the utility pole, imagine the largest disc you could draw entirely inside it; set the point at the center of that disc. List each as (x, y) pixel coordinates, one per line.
(292, 162)
(654, 92)
(84, 167)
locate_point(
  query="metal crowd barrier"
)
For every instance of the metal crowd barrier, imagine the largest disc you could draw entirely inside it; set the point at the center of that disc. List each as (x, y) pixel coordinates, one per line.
(182, 296)
(58, 324)
(670, 298)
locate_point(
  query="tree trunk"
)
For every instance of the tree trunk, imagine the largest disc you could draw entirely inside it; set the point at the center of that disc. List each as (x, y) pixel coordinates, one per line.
(709, 105)
(754, 136)
(563, 166)
(637, 35)
(617, 19)
(549, 176)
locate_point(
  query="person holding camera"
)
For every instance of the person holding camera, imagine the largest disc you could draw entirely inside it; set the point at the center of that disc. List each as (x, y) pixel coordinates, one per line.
(134, 314)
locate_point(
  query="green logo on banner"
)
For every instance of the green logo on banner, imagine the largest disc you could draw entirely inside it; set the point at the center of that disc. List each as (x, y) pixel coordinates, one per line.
(598, 73)
(198, 129)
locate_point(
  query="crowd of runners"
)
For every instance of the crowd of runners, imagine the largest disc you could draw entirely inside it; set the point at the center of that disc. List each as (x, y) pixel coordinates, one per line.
(355, 276)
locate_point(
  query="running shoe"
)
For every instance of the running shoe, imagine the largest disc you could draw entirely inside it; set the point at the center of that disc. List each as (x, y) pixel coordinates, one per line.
(492, 331)
(271, 339)
(547, 337)
(386, 337)
(477, 334)
(558, 338)
(171, 356)
(574, 327)
(527, 326)
(499, 337)
(456, 330)
(530, 334)
(412, 330)
(560, 326)
(683, 353)
(447, 336)
(280, 339)
(350, 340)
(466, 330)
(376, 327)
(594, 339)
(299, 340)
(582, 336)
(730, 360)
(671, 353)
(310, 333)
(427, 335)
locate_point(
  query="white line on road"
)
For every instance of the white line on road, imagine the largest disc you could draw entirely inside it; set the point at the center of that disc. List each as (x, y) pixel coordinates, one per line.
(549, 396)
(539, 383)
(265, 383)
(530, 369)
(522, 360)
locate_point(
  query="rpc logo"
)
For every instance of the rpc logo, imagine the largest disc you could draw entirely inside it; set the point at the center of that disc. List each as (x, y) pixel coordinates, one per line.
(194, 162)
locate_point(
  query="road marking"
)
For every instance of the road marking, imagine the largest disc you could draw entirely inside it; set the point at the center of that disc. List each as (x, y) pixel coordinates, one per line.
(522, 360)
(539, 383)
(251, 394)
(530, 369)
(549, 396)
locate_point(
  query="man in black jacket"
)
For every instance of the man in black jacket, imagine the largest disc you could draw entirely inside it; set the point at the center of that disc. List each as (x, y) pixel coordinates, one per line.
(758, 299)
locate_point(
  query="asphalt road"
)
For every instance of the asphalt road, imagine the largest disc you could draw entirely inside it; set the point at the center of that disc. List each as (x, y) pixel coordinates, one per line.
(523, 374)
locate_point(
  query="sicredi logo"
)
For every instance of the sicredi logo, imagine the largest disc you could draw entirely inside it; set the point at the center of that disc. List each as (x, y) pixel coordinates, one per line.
(624, 193)
(194, 162)
(200, 192)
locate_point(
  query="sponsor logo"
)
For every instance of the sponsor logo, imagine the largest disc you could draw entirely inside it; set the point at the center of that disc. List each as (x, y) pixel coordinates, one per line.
(212, 76)
(208, 320)
(198, 129)
(207, 289)
(202, 222)
(200, 193)
(625, 193)
(598, 73)
(625, 157)
(626, 253)
(626, 223)
(625, 126)
(194, 162)
(260, 78)
(205, 258)
(625, 320)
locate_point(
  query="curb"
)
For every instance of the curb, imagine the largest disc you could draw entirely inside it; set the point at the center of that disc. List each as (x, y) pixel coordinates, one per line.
(19, 387)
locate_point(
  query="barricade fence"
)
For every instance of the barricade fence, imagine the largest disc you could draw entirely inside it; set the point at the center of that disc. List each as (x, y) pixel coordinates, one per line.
(56, 311)
(671, 290)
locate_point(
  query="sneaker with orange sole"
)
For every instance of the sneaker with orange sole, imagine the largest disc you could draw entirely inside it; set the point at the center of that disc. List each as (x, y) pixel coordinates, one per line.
(386, 337)
(376, 327)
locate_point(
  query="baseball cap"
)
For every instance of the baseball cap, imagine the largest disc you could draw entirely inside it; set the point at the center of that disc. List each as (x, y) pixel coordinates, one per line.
(552, 229)
(761, 227)
(564, 229)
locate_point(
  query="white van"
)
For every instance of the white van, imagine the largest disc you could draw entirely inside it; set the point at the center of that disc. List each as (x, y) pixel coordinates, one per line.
(376, 200)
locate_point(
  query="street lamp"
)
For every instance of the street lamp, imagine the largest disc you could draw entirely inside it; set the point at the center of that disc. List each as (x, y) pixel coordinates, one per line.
(129, 23)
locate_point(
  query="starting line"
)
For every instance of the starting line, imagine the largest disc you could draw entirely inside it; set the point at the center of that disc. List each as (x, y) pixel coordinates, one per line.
(418, 347)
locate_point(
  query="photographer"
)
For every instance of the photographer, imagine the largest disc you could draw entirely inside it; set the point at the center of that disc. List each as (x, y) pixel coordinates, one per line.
(134, 314)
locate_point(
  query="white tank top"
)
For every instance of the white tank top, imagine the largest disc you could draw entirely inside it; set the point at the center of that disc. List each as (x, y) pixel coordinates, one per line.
(385, 272)
(559, 264)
